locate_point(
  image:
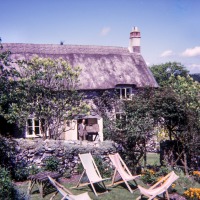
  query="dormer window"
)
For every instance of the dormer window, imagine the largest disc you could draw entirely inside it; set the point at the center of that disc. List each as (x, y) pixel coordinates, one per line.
(124, 92)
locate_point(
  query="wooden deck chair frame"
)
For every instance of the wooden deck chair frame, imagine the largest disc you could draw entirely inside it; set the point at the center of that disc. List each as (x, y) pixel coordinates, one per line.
(125, 169)
(85, 172)
(65, 192)
(150, 197)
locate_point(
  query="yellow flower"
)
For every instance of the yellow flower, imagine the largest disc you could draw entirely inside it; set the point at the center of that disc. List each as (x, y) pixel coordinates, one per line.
(196, 173)
(173, 185)
(193, 193)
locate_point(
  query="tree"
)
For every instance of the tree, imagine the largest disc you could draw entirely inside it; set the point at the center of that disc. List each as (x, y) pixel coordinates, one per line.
(139, 123)
(133, 127)
(43, 88)
(163, 72)
(188, 92)
(176, 108)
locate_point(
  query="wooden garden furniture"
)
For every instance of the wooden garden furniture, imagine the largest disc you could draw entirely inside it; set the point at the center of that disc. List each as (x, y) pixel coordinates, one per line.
(122, 170)
(41, 180)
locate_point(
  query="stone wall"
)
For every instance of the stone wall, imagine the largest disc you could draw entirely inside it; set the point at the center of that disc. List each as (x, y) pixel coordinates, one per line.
(35, 151)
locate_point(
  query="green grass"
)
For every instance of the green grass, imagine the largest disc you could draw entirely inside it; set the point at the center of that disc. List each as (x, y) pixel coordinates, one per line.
(117, 192)
(153, 158)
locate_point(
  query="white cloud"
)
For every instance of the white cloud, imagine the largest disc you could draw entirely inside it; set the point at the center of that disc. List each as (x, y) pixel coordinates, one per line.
(195, 65)
(105, 31)
(191, 52)
(194, 68)
(166, 53)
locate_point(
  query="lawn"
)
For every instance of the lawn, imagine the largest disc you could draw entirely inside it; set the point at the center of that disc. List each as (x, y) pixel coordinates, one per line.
(117, 192)
(153, 158)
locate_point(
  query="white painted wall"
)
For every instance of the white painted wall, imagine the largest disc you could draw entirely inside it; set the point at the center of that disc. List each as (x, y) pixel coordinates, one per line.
(100, 122)
(71, 130)
(135, 42)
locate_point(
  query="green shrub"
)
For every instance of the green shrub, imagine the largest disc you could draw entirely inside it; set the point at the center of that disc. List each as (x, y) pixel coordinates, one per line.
(80, 168)
(152, 175)
(33, 169)
(103, 167)
(20, 172)
(8, 191)
(51, 163)
(6, 186)
(7, 153)
(186, 182)
(149, 176)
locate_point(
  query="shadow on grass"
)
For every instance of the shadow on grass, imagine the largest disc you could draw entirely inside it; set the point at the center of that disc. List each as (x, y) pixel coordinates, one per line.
(48, 189)
(100, 189)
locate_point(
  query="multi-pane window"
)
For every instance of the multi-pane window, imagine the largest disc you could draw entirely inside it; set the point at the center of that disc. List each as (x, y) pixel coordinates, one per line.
(33, 127)
(124, 92)
(121, 121)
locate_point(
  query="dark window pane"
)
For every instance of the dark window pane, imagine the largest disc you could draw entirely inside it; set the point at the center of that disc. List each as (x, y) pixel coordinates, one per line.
(30, 122)
(123, 93)
(30, 131)
(123, 121)
(37, 130)
(128, 93)
(117, 116)
(37, 122)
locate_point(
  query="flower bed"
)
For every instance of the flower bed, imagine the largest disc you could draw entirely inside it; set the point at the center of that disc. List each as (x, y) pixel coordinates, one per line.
(192, 193)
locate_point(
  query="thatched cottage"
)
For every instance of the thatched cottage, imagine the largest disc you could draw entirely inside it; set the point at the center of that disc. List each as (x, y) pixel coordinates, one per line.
(103, 68)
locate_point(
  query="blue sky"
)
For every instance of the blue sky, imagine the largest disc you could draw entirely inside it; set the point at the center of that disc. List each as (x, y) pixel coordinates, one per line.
(170, 29)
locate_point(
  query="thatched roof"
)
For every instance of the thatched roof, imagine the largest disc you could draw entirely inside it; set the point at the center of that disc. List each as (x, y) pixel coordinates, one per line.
(102, 67)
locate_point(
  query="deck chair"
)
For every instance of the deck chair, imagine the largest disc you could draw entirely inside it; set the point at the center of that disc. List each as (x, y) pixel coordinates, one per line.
(122, 170)
(159, 188)
(92, 173)
(66, 193)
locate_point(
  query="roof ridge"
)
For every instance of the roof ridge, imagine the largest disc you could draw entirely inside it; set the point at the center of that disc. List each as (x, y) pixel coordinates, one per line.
(72, 45)
(64, 49)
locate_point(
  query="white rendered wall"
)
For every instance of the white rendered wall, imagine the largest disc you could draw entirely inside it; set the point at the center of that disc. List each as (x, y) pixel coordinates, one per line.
(71, 131)
(100, 122)
(135, 42)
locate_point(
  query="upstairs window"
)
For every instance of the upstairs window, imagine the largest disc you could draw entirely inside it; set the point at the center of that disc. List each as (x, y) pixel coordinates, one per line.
(124, 92)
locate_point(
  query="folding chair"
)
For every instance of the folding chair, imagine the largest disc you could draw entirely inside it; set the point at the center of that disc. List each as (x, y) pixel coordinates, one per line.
(159, 187)
(92, 173)
(66, 193)
(122, 170)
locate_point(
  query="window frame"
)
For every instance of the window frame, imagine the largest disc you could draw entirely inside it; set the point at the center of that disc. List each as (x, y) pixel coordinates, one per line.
(125, 96)
(33, 126)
